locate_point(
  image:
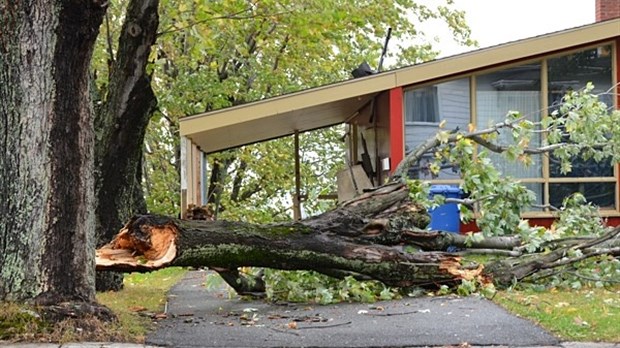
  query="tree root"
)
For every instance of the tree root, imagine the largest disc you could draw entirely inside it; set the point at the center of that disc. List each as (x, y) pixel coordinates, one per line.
(76, 310)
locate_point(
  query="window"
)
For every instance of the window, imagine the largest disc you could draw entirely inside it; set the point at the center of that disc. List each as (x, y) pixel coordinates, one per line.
(427, 106)
(422, 105)
(512, 89)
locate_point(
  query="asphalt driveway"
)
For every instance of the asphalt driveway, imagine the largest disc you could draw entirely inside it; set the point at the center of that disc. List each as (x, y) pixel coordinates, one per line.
(201, 318)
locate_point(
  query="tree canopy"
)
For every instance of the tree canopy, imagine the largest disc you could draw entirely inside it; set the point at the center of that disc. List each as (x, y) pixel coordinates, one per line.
(223, 53)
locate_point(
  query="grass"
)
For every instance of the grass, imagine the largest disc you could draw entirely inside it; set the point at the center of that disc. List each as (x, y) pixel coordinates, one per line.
(142, 295)
(588, 314)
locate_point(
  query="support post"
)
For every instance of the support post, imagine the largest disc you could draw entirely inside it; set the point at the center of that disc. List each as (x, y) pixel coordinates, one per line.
(297, 198)
(197, 169)
(397, 132)
(184, 178)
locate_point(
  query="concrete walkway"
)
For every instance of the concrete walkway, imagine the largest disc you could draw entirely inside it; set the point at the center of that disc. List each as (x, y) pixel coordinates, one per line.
(129, 345)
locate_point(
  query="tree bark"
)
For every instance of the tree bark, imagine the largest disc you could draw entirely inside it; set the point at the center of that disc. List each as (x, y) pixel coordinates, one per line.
(47, 200)
(364, 238)
(120, 129)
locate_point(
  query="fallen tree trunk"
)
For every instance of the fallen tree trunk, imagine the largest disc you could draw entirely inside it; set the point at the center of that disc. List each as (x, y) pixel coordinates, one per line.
(150, 242)
(364, 238)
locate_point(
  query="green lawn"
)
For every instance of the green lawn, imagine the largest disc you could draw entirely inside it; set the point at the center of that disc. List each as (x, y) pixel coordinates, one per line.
(588, 314)
(144, 294)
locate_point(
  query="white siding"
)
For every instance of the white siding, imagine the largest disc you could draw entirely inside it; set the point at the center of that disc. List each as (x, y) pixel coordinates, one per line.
(453, 98)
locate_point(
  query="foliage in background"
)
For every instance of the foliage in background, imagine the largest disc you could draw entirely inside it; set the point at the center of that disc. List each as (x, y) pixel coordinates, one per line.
(217, 54)
(261, 180)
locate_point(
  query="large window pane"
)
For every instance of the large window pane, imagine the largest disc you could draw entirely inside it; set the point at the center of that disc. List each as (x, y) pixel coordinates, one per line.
(537, 188)
(422, 105)
(573, 72)
(601, 194)
(425, 108)
(512, 89)
(582, 168)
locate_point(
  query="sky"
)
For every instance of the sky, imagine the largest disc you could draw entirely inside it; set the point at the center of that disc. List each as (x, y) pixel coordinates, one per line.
(499, 21)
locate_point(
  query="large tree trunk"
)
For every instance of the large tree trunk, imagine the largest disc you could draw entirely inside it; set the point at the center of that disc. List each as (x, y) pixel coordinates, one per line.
(47, 200)
(336, 243)
(120, 129)
(363, 238)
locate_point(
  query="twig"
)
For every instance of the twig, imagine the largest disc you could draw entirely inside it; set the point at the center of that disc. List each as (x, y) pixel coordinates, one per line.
(594, 279)
(567, 261)
(109, 40)
(469, 202)
(567, 241)
(324, 326)
(546, 206)
(394, 314)
(228, 16)
(235, 16)
(414, 156)
(510, 253)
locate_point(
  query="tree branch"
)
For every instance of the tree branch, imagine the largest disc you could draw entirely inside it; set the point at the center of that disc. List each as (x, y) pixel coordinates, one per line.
(415, 156)
(234, 195)
(236, 15)
(109, 42)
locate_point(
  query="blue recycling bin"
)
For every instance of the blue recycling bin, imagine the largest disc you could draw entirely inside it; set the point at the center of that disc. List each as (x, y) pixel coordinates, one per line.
(445, 217)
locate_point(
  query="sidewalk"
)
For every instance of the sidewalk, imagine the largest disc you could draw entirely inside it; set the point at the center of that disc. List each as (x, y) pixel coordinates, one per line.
(129, 345)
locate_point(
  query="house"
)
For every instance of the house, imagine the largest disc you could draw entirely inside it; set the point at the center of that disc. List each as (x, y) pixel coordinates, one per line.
(389, 113)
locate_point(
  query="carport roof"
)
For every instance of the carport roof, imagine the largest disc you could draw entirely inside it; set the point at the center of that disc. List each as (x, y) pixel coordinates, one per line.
(336, 103)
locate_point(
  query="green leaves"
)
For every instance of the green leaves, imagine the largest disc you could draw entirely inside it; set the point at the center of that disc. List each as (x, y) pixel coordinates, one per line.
(308, 286)
(499, 199)
(419, 192)
(216, 54)
(583, 126)
(442, 136)
(577, 217)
